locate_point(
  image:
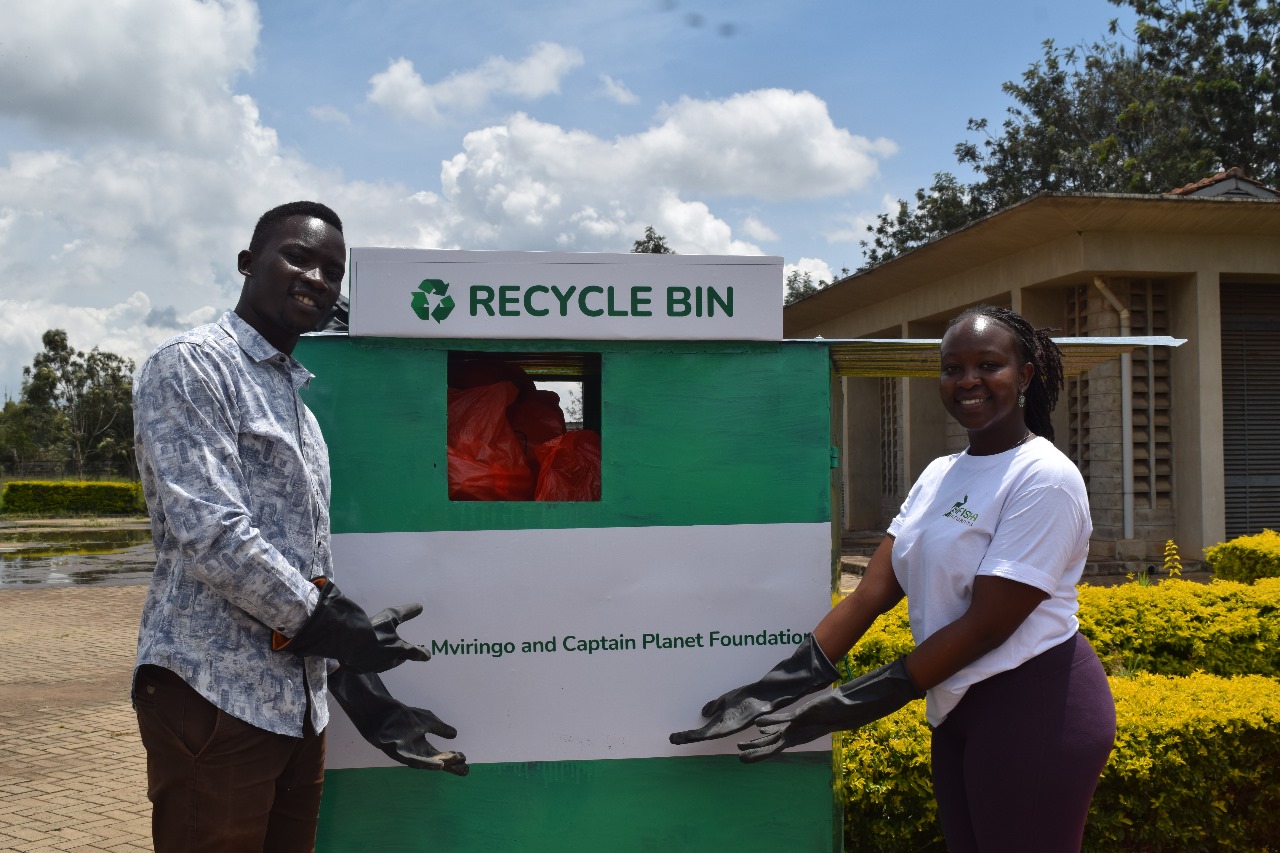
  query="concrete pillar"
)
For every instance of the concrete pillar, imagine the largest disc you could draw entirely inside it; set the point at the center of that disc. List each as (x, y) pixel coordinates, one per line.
(1045, 308)
(1196, 403)
(924, 417)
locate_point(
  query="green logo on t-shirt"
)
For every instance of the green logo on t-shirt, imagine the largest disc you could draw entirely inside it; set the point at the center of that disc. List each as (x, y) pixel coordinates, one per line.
(960, 514)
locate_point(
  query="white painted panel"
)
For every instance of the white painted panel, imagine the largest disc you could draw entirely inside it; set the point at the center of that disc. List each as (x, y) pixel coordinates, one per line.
(535, 585)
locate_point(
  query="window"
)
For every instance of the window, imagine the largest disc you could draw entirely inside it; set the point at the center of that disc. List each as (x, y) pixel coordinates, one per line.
(524, 426)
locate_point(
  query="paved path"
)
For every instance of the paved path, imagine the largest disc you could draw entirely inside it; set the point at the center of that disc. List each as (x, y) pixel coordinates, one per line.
(72, 770)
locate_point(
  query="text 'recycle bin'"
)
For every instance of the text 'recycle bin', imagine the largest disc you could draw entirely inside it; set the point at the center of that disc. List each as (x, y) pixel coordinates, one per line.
(569, 639)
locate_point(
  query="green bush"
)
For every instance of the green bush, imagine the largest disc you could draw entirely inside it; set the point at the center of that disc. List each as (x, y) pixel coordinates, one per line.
(1173, 628)
(1180, 627)
(886, 640)
(1246, 558)
(1196, 767)
(883, 781)
(72, 497)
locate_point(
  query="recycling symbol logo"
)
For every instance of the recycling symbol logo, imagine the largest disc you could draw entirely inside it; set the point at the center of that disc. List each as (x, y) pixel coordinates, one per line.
(429, 291)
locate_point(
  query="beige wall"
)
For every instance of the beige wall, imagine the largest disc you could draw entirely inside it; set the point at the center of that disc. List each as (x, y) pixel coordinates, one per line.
(861, 453)
(1034, 280)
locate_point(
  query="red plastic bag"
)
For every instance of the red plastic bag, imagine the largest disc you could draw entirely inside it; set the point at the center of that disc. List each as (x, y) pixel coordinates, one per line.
(486, 459)
(536, 418)
(569, 467)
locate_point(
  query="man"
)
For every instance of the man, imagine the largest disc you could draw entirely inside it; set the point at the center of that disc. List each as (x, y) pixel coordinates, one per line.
(242, 623)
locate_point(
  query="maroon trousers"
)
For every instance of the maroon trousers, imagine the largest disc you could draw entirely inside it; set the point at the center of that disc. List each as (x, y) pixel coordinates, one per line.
(1016, 763)
(218, 784)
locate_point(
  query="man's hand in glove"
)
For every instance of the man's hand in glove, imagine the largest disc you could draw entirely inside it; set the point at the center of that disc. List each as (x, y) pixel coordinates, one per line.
(340, 629)
(805, 671)
(870, 697)
(393, 727)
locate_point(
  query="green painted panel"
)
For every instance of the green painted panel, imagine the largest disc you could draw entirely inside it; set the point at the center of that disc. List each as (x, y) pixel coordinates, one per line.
(692, 434)
(699, 803)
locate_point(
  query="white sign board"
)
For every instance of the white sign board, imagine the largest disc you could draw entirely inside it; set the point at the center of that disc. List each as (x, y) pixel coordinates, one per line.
(438, 293)
(586, 644)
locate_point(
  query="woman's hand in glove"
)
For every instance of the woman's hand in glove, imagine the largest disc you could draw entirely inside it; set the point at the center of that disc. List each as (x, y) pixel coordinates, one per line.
(870, 697)
(805, 671)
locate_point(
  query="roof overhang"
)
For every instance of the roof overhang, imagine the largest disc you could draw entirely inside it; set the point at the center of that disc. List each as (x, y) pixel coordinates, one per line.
(1035, 221)
(918, 357)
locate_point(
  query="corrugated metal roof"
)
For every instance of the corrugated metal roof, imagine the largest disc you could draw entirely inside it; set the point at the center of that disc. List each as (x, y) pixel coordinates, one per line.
(918, 357)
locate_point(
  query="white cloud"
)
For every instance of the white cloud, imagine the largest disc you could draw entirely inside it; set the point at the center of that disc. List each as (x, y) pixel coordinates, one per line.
(852, 227)
(124, 231)
(817, 268)
(757, 230)
(131, 328)
(616, 90)
(330, 114)
(138, 69)
(819, 271)
(402, 91)
(770, 143)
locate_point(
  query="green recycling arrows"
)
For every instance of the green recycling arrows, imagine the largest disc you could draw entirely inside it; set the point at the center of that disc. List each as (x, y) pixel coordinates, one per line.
(421, 302)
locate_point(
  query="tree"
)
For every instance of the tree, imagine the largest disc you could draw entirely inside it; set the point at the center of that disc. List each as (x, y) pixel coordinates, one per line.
(18, 446)
(79, 405)
(1196, 92)
(799, 285)
(652, 243)
(944, 207)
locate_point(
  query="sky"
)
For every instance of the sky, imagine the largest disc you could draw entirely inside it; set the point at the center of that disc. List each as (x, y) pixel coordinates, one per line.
(141, 139)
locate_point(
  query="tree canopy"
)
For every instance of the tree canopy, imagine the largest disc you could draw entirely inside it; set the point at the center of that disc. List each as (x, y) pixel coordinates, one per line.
(652, 243)
(74, 415)
(1192, 91)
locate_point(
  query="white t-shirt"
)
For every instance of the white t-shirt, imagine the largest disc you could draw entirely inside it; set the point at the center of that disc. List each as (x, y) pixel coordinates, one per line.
(1022, 515)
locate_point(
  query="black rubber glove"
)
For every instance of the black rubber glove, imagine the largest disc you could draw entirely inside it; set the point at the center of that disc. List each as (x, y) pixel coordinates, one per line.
(877, 694)
(805, 671)
(393, 727)
(340, 629)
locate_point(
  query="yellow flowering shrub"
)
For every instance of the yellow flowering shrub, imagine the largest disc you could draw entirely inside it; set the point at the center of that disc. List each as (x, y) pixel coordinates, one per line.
(1246, 558)
(885, 641)
(1196, 767)
(1175, 627)
(1180, 627)
(72, 497)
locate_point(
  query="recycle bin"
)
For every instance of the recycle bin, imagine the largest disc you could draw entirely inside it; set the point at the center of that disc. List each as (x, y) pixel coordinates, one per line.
(569, 638)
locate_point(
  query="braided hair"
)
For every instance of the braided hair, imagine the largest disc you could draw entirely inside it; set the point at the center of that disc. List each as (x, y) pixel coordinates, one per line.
(1037, 349)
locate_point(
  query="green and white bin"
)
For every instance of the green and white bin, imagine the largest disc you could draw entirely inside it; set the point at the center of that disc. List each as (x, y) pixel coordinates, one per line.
(570, 638)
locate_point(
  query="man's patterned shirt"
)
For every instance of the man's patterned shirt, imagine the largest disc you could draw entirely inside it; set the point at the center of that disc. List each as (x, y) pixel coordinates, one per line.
(236, 477)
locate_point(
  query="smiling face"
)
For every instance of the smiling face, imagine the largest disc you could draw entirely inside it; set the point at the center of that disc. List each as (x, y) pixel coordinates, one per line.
(292, 282)
(982, 375)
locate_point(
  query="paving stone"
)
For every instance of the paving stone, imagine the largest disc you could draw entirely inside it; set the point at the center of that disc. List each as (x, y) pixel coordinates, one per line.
(72, 769)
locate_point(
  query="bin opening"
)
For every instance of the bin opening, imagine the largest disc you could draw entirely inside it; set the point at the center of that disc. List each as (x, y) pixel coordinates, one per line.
(524, 426)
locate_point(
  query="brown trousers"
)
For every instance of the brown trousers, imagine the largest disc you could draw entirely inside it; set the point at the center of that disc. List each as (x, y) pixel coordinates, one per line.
(218, 784)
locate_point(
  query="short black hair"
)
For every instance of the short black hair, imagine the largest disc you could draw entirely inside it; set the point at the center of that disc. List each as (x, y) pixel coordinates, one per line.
(276, 215)
(1038, 349)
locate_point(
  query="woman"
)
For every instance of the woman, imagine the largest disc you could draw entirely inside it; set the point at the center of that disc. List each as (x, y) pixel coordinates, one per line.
(987, 548)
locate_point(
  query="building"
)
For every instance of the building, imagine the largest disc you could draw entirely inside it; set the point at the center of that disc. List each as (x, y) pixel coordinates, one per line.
(1196, 456)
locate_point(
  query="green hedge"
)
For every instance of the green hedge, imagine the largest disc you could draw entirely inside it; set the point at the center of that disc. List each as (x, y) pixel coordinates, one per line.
(73, 498)
(1179, 627)
(1175, 627)
(886, 640)
(1196, 767)
(1247, 558)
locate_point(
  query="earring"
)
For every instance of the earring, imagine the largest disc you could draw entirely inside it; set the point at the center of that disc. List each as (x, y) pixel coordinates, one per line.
(1022, 401)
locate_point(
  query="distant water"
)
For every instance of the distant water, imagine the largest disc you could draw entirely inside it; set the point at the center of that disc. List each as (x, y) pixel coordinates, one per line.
(32, 557)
